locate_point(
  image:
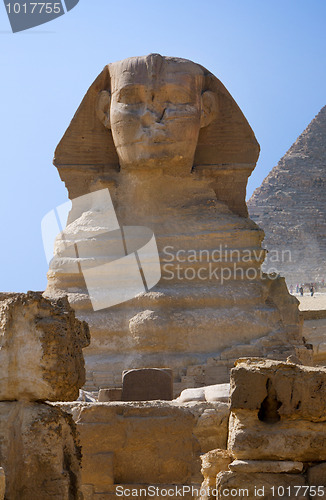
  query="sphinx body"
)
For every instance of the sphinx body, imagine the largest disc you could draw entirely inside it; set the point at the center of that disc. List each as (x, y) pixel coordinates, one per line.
(170, 144)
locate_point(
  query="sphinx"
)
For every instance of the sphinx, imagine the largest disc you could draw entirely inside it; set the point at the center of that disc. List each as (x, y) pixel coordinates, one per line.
(170, 144)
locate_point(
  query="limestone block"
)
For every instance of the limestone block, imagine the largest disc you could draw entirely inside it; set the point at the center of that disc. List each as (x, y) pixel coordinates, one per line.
(40, 348)
(112, 394)
(87, 491)
(151, 442)
(97, 470)
(217, 392)
(39, 452)
(2, 483)
(213, 462)
(297, 440)
(317, 476)
(295, 391)
(152, 439)
(274, 466)
(260, 485)
(147, 384)
(191, 394)
(211, 427)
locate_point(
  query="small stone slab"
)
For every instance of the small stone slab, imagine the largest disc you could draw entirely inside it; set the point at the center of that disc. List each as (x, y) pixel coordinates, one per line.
(112, 394)
(147, 384)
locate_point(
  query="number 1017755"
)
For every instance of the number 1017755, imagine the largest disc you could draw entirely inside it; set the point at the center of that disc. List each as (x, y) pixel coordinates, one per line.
(34, 8)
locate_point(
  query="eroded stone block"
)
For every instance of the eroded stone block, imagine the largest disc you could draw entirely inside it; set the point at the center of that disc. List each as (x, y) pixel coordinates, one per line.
(297, 440)
(214, 462)
(262, 485)
(106, 395)
(39, 452)
(152, 442)
(285, 389)
(317, 476)
(41, 345)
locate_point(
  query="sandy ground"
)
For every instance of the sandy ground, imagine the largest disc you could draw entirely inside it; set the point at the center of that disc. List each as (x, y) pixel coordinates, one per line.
(307, 303)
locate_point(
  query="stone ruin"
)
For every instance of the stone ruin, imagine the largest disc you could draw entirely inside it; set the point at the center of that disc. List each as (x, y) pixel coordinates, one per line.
(41, 361)
(172, 170)
(168, 141)
(277, 434)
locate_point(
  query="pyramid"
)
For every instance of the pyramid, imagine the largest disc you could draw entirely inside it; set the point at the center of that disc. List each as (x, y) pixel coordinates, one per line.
(290, 206)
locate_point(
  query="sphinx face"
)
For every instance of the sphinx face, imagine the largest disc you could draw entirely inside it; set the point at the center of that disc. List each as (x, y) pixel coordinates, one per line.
(155, 111)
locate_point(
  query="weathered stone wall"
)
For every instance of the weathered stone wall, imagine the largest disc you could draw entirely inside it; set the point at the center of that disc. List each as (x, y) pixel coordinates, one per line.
(146, 443)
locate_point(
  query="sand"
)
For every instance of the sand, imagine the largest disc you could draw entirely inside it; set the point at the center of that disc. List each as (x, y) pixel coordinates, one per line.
(308, 303)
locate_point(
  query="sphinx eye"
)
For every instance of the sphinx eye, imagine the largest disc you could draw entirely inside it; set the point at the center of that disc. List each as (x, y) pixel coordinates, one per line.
(129, 96)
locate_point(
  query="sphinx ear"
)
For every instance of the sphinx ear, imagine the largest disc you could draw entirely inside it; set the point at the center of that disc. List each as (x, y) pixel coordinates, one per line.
(103, 107)
(208, 108)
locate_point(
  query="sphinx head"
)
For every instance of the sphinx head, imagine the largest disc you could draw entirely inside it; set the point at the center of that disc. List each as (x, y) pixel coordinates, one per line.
(155, 108)
(153, 111)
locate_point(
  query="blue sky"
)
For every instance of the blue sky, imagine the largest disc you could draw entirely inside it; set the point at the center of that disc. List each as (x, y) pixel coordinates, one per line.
(270, 54)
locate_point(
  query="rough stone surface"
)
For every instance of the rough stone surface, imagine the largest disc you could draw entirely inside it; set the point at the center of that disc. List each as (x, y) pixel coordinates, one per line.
(177, 164)
(214, 462)
(106, 395)
(247, 485)
(150, 442)
(298, 440)
(147, 384)
(317, 475)
(39, 452)
(98, 470)
(2, 483)
(278, 389)
(290, 206)
(41, 345)
(273, 466)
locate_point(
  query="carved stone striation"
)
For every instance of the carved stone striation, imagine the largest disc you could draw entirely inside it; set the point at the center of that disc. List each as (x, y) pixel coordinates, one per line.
(41, 348)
